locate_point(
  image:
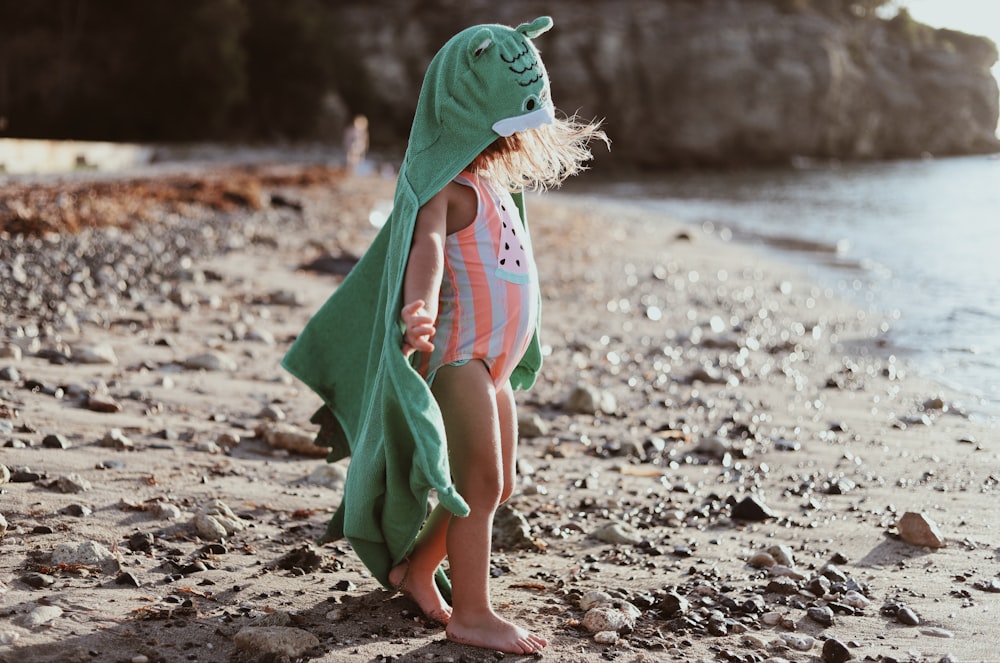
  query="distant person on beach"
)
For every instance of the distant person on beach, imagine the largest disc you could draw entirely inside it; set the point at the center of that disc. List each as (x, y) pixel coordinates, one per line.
(417, 352)
(356, 143)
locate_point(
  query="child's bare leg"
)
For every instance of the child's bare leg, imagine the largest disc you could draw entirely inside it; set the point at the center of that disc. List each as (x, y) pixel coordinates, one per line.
(478, 452)
(414, 576)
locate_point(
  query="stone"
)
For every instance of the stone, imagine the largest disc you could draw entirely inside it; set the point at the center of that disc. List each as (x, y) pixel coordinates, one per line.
(87, 553)
(919, 530)
(216, 521)
(95, 354)
(593, 598)
(275, 641)
(116, 439)
(782, 554)
(530, 424)
(751, 509)
(43, 614)
(761, 560)
(617, 533)
(588, 399)
(3, 525)
(290, 438)
(10, 374)
(10, 351)
(56, 441)
(798, 642)
(210, 361)
(271, 413)
(673, 605)
(835, 651)
(907, 616)
(70, 483)
(329, 475)
(608, 618)
(606, 637)
(822, 615)
(4, 474)
(511, 529)
(103, 403)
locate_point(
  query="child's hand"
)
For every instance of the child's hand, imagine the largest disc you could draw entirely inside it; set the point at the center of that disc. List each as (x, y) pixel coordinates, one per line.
(419, 328)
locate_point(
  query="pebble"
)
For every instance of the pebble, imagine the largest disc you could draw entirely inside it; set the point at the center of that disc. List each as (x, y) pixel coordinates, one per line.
(10, 351)
(4, 474)
(751, 509)
(617, 533)
(43, 614)
(762, 560)
(87, 553)
(9, 637)
(95, 354)
(935, 632)
(38, 580)
(919, 530)
(329, 475)
(798, 642)
(70, 483)
(609, 618)
(10, 374)
(210, 361)
(3, 525)
(822, 615)
(856, 600)
(606, 637)
(116, 439)
(530, 424)
(907, 616)
(216, 521)
(271, 413)
(588, 399)
(272, 642)
(782, 555)
(835, 651)
(290, 438)
(103, 403)
(55, 441)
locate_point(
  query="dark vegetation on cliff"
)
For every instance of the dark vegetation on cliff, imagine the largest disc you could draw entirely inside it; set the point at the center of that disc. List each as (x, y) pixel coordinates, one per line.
(679, 82)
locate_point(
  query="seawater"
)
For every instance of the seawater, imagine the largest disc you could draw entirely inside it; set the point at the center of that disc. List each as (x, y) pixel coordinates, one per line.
(917, 241)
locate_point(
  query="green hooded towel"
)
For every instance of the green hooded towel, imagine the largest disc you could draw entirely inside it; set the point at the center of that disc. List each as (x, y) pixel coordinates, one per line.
(487, 81)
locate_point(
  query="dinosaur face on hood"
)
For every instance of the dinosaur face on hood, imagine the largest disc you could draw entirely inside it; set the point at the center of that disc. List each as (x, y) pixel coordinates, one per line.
(487, 81)
(505, 65)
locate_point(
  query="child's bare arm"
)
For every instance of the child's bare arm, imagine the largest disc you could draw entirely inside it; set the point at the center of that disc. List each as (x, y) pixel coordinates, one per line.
(424, 271)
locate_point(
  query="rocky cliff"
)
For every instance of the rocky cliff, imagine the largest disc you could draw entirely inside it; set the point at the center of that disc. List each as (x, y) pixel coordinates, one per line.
(707, 82)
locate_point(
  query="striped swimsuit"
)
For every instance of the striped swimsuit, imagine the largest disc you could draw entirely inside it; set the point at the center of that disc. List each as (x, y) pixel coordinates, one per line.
(489, 294)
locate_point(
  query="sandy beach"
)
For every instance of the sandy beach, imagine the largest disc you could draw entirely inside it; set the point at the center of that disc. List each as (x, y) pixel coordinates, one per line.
(719, 462)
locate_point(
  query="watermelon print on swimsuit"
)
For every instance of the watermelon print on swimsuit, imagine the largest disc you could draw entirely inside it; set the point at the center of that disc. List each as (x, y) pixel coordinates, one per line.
(512, 258)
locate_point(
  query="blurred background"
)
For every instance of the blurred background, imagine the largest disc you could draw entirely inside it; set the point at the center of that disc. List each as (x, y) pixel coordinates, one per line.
(857, 138)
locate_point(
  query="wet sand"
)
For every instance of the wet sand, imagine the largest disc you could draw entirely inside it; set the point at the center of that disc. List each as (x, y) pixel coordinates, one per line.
(715, 444)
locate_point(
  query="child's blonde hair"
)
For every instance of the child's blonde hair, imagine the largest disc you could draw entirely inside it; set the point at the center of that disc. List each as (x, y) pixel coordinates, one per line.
(540, 158)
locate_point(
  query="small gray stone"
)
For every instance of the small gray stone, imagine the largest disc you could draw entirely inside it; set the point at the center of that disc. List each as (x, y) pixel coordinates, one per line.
(103, 403)
(10, 374)
(56, 441)
(70, 483)
(271, 413)
(87, 553)
(907, 616)
(588, 399)
(328, 475)
(211, 361)
(216, 521)
(275, 641)
(10, 351)
(822, 615)
(116, 439)
(4, 474)
(835, 651)
(618, 533)
(531, 424)
(95, 354)
(43, 614)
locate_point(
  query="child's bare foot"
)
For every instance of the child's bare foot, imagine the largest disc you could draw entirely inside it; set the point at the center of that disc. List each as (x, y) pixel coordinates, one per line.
(492, 632)
(425, 594)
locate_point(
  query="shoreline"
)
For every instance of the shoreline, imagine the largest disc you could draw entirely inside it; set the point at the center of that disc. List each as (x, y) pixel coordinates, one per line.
(720, 377)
